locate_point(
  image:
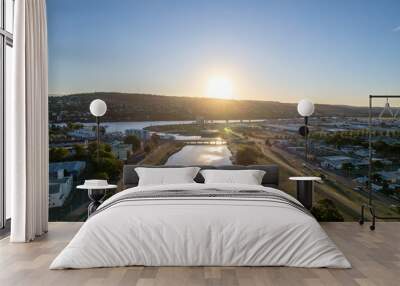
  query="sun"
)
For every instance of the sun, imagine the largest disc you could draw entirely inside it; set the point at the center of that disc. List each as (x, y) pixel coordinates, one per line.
(220, 87)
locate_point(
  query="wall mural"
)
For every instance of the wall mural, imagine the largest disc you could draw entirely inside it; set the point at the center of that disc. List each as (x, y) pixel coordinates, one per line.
(190, 84)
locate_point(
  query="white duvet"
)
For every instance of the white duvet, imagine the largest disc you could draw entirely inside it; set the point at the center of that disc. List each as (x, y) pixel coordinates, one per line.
(212, 231)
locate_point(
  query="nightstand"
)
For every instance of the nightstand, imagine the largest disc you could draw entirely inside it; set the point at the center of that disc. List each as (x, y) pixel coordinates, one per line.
(305, 187)
(96, 192)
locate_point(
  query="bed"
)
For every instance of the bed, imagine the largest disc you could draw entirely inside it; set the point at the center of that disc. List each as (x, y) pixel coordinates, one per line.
(197, 224)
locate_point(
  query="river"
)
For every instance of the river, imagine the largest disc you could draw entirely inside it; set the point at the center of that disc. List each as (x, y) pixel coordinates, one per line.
(122, 126)
(125, 125)
(188, 155)
(201, 155)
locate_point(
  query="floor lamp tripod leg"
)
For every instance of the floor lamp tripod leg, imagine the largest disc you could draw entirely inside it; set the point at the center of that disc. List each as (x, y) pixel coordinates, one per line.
(372, 227)
(361, 221)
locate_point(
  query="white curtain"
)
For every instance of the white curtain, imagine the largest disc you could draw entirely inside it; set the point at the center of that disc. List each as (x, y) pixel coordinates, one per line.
(27, 124)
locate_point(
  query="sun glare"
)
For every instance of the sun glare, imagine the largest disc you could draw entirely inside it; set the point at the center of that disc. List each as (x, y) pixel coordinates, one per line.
(220, 87)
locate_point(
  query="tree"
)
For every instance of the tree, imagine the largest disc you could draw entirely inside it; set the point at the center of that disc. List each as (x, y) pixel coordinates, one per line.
(101, 176)
(58, 154)
(247, 156)
(80, 152)
(325, 210)
(92, 147)
(147, 148)
(348, 167)
(74, 126)
(107, 148)
(386, 188)
(155, 139)
(377, 165)
(109, 168)
(132, 139)
(102, 129)
(104, 150)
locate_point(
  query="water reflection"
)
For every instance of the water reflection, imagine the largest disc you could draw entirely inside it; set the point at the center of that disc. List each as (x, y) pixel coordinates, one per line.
(201, 155)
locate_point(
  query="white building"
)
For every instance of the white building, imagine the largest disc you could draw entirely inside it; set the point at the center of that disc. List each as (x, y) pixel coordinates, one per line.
(83, 133)
(164, 136)
(59, 189)
(121, 150)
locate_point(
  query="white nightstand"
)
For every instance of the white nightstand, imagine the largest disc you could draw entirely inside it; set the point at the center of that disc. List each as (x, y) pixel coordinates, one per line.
(96, 191)
(305, 187)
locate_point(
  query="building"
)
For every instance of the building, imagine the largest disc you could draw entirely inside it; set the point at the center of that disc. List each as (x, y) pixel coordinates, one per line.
(165, 136)
(142, 134)
(121, 150)
(347, 149)
(361, 180)
(74, 168)
(200, 120)
(83, 133)
(376, 188)
(391, 177)
(335, 162)
(113, 136)
(284, 127)
(364, 152)
(61, 178)
(383, 161)
(59, 189)
(296, 149)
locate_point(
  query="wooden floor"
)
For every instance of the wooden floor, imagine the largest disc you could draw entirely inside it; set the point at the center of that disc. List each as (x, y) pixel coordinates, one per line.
(375, 257)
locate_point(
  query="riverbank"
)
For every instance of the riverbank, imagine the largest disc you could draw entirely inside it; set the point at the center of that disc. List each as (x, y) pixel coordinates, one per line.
(213, 130)
(160, 155)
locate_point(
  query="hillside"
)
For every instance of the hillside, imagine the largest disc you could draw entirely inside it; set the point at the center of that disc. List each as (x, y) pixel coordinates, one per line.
(141, 107)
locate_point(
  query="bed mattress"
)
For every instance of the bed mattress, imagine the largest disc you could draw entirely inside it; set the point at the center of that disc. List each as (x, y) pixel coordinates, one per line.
(201, 225)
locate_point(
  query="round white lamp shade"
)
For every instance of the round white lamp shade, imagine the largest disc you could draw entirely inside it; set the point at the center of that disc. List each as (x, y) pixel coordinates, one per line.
(98, 107)
(305, 108)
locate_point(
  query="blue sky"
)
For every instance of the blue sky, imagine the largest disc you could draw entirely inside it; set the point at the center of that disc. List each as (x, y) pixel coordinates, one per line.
(329, 51)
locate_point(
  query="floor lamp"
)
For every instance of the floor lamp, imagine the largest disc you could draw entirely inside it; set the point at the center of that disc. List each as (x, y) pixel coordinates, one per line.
(98, 108)
(305, 108)
(369, 206)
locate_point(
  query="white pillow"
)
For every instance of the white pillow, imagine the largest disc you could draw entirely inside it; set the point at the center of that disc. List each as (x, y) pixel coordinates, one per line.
(248, 177)
(166, 176)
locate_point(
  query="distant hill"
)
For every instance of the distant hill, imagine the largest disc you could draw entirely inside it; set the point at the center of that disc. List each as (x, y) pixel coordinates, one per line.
(142, 107)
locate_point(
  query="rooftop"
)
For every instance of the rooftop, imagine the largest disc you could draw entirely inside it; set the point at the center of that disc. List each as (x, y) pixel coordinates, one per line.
(337, 158)
(68, 166)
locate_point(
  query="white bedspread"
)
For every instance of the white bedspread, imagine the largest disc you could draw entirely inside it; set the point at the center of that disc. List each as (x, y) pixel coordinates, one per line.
(193, 231)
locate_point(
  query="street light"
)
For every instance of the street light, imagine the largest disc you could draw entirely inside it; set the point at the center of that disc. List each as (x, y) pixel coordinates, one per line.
(305, 108)
(98, 108)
